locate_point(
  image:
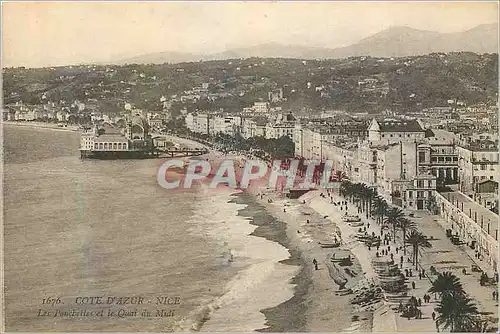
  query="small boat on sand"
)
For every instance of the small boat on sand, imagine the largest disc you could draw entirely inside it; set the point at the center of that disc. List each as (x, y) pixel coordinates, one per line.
(329, 244)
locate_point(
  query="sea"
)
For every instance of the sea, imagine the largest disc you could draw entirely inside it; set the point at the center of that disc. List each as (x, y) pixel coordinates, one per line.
(76, 229)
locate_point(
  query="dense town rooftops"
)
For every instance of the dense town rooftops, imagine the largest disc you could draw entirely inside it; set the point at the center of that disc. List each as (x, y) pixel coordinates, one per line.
(400, 126)
(481, 145)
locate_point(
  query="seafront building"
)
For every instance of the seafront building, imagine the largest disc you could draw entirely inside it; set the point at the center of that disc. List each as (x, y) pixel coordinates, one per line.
(107, 142)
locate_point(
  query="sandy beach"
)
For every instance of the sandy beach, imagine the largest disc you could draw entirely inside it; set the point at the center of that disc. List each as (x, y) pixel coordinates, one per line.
(315, 303)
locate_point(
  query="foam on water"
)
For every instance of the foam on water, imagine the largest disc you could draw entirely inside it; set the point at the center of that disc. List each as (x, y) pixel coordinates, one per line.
(261, 282)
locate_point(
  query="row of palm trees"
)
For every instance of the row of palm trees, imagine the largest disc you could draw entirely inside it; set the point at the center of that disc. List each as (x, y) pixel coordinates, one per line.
(456, 311)
(372, 204)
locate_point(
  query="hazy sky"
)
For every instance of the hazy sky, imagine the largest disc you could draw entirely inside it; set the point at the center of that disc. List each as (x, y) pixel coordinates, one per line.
(60, 33)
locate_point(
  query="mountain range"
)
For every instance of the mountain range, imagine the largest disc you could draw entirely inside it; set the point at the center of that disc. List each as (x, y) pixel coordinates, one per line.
(398, 41)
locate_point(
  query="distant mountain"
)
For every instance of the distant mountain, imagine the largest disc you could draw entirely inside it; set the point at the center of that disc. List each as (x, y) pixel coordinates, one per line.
(405, 41)
(392, 42)
(272, 50)
(160, 58)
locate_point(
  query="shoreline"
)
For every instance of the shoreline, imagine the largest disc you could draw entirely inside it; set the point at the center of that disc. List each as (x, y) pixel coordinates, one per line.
(315, 292)
(315, 304)
(289, 315)
(42, 125)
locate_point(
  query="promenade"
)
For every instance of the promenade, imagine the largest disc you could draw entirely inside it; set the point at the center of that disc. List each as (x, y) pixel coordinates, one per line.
(443, 255)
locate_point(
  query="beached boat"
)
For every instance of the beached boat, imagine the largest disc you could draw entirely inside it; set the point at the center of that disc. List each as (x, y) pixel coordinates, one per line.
(351, 219)
(325, 244)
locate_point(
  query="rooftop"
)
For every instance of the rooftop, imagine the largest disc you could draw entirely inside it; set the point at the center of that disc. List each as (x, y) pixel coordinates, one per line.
(110, 138)
(400, 126)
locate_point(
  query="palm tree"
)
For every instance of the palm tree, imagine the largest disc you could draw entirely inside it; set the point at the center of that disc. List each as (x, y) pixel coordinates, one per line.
(456, 312)
(339, 176)
(370, 196)
(417, 240)
(346, 189)
(406, 225)
(380, 208)
(446, 283)
(393, 217)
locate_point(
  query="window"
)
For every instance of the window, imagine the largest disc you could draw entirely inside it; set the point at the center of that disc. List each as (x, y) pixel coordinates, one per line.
(455, 159)
(101, 146)
(430, 193)
(420, 183)
(421, 156)
(491, 177)
(410, 194)
(483, 167)
(420, 194)
(96, 146)
(483, 177)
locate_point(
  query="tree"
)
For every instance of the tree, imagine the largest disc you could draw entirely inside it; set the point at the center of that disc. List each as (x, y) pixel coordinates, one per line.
(406, 225)
(432, 206)
(446, 284)
(417, 240)
(457, 312)
(380, 208)
(339, 176)
(393, 219)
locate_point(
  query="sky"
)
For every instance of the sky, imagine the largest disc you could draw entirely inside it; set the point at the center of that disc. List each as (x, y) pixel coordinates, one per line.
(38, 34)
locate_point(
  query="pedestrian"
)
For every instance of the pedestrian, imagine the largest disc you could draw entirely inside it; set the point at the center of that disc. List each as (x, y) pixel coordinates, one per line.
(368, 224)
(411, 274)
(284, 210)
(308, 221)
(437, 326)
(434, 316)
(392, 257)
(369, 248)
(406, 272)
(378, 246)
(315, 264)
(389, 248)
(376, 254)
(423, 272)
(419, 302)
(419, 275)
(397, 250)
(401, 258)
(413, 284)
(494, 292)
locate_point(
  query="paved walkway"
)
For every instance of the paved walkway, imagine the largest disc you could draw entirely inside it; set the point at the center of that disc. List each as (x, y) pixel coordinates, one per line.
(444, 256)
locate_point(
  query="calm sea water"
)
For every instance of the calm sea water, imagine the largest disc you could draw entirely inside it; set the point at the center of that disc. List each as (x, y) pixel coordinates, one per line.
(105, 228)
